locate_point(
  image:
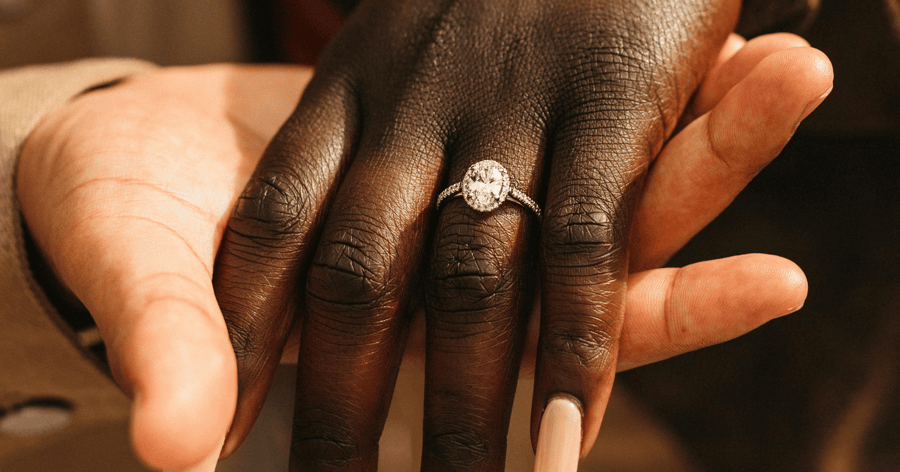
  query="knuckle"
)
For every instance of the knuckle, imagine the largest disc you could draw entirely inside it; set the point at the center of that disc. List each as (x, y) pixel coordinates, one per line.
(325, 445)
(458, 448)
(580, 222)
(467, 274)
(270, 207)
(351, 271)
(582, 232)
(578, 346)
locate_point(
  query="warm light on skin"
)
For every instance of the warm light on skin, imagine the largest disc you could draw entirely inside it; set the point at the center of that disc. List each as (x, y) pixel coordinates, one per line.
(640, 342)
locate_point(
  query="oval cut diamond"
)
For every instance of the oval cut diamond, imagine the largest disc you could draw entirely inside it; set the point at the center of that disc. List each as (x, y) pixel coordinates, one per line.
(485, 185)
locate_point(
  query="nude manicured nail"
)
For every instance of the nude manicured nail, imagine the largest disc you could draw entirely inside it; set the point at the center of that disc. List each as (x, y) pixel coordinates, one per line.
(559, 440)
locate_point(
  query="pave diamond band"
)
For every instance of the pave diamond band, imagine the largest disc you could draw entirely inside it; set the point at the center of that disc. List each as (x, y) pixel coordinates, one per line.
(485, 187)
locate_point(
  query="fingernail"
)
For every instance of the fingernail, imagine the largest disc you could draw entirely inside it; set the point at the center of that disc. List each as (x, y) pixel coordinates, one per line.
(795, 309)
(813, 104)
(559, 439)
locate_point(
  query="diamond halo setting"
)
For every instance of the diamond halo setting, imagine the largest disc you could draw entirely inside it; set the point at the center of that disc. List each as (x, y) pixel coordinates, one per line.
(485, 187)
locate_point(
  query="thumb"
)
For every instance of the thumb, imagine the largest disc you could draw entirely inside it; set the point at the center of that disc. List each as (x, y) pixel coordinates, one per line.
(167, 343)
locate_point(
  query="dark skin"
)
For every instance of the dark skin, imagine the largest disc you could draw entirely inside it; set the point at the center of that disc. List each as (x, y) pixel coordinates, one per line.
(575, 99)
(127, 191)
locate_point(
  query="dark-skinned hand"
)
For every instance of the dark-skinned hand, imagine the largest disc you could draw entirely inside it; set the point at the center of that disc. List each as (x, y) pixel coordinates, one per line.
(127, 190)
(575, 99)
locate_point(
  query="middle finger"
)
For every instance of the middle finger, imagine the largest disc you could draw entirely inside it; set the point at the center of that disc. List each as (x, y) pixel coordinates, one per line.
(359, 288)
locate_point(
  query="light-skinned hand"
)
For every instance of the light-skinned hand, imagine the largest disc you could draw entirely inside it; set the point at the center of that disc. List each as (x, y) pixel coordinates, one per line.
(127, 190)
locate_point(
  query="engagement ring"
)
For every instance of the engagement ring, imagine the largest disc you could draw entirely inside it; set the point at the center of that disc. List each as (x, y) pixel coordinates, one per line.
(485, 187)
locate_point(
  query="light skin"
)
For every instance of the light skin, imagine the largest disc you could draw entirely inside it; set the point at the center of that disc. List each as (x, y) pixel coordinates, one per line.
(127, 192)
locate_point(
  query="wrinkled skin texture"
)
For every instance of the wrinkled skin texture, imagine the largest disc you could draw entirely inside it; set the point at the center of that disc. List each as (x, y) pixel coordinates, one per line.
(574, 98)
(127, 191)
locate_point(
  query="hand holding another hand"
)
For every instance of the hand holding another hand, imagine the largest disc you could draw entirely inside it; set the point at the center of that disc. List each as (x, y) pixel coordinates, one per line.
(574, 100)
(127, 191)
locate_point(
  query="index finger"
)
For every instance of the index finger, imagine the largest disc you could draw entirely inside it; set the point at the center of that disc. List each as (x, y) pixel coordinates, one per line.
(271, 235)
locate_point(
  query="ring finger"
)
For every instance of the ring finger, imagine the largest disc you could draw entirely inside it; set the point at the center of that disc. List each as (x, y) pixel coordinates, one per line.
(479, 296)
